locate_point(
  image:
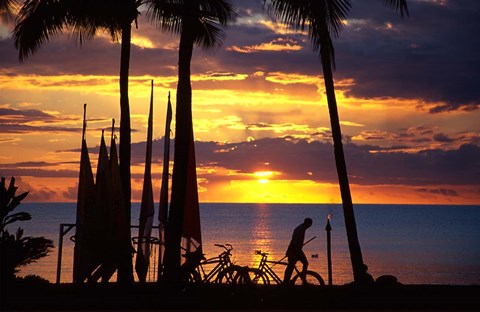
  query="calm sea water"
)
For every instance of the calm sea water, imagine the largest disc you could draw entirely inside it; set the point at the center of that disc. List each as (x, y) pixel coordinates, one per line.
(418, 244)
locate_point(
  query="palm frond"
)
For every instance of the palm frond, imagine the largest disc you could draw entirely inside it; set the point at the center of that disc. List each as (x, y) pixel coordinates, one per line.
(38, 21)
(8, 8)
(336, 14)
(208, 34)
(321, 18)
(166, 14)
(207, 17)
(211, 16)
(302, 14)
(223, 11)
(398, 5)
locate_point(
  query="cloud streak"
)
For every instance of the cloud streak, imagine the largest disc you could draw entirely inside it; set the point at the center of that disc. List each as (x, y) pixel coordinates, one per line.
(302, 160)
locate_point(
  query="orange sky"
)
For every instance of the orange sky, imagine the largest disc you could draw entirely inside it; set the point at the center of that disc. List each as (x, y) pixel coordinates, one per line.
(260, 117)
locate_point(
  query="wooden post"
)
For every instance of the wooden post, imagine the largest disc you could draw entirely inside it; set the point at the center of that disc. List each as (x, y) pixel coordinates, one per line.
(328, 228)
(59, 258)
(61, 234)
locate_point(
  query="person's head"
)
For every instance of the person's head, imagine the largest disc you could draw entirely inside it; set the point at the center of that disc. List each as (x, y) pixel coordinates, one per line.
(307, 222)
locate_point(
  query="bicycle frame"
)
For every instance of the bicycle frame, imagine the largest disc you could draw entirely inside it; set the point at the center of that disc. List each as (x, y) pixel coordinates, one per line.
(264, 273)
(267, 269)
(222, 262)
(200, 273)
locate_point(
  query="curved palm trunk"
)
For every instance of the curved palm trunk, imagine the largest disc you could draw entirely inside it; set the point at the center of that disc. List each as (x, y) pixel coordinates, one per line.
(183, 137)
(351, 227)
(125, 270)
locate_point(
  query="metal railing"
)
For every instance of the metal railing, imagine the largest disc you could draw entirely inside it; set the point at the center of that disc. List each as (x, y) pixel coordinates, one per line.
(65, 228)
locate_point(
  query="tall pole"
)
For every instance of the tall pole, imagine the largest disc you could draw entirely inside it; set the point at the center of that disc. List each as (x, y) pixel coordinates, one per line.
(328, 228)
(60, 250)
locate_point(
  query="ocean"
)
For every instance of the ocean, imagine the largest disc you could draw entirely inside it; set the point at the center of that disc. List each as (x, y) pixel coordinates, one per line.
(419, 244)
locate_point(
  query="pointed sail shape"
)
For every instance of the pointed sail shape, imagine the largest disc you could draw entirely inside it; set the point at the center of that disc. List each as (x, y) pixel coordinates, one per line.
(115, 227)
(163, 206)
(163, 211)
(191, 221)
(118, 217)
(103, 188)
(122, 223)
(82, 255)
(147, 208)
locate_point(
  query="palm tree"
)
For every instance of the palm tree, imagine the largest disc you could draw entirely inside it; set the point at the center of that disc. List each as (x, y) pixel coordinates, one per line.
(198, 22)
(39, 20)
(322, 19)
(7, 9)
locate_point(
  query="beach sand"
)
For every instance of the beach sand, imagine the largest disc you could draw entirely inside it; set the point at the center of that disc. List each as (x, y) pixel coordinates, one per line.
(154, 297)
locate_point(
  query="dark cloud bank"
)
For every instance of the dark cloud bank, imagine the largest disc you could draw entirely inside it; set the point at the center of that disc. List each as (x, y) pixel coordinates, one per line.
(304, 160)
(432, 55)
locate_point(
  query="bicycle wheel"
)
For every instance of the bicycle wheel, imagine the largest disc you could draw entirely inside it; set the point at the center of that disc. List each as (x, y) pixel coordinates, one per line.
(258, 277)
(192, 277)
(241, 277)
(229, 275)
(311, 277)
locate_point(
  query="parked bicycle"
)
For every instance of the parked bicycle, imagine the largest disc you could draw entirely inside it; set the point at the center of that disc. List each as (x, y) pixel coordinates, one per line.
(265, 274)
(219, 269)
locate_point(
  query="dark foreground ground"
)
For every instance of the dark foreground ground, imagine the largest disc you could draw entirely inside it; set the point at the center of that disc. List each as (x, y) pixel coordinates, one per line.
(151, 297)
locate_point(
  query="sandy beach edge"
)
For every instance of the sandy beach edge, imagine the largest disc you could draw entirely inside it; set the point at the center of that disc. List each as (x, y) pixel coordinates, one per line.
(145, 297)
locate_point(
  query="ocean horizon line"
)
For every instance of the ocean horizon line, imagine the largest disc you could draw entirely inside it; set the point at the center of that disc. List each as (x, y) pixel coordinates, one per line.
(280, 203)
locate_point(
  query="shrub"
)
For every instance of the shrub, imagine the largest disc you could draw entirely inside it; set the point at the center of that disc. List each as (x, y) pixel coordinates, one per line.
(17, 250)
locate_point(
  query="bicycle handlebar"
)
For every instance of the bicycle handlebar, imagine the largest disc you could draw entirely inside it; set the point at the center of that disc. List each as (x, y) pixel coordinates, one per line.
(227, 247)
(259, 252)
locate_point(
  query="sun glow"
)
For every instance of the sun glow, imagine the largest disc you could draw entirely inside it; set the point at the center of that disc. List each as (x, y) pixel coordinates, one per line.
(263, 176)
(263, 173)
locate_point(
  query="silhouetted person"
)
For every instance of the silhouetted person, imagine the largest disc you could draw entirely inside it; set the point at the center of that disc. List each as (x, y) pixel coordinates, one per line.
(294, 250)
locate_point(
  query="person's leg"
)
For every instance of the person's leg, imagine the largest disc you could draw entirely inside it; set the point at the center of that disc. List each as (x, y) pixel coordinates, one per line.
(289, 270)
(303, 259)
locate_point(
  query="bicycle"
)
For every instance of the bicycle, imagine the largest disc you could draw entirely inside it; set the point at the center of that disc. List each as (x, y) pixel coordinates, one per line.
(265, 274)
(197, 269)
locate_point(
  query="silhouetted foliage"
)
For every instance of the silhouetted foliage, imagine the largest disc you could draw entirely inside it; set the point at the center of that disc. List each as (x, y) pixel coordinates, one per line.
(15, 249)
(7, 9)
(8, 202)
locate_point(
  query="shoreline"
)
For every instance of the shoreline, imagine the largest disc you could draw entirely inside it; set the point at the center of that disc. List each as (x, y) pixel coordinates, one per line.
(152, 296)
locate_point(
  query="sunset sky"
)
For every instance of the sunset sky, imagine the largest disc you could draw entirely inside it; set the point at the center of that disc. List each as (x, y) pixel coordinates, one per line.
(407, 89)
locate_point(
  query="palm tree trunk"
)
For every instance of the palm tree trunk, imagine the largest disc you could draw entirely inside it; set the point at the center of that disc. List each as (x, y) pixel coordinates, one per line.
(183, 137)
(125, 270)
(351, 227)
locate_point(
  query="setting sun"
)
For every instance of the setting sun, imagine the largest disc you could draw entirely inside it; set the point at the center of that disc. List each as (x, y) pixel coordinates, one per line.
(274, 146)
(259, 109)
